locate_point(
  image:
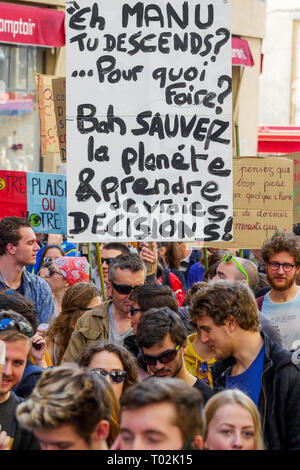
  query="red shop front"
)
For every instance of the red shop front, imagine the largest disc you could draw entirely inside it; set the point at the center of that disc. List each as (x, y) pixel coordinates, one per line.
(25, 35)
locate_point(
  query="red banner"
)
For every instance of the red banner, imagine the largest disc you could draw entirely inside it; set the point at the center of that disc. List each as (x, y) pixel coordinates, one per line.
(241, 54)
(31, 25)
(13, 193)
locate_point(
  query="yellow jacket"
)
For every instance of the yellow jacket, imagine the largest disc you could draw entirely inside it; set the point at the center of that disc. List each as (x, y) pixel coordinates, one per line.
(193, 362)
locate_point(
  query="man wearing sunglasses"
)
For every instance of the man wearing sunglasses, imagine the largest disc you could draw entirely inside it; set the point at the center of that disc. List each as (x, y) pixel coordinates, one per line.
(162, 338)
(234, 268)
(108, 252)
(145, 297)
(18, 249)
(281, 255)
(110, 321)
(16, 332)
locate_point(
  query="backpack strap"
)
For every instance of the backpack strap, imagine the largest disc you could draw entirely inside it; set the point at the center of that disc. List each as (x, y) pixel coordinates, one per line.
(259, 302)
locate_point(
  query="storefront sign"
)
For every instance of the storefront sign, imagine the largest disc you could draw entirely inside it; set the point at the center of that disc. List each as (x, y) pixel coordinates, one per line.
(30, 25)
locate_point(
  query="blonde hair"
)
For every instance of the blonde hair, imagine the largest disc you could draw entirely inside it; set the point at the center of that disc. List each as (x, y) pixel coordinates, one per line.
(232, 397)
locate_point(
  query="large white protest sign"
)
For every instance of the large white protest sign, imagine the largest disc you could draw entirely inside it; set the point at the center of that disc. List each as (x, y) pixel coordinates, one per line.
(149, 120)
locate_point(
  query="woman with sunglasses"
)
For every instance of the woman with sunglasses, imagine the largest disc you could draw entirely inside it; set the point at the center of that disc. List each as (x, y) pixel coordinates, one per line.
(78, 298)
(51, 251)
(113, 362)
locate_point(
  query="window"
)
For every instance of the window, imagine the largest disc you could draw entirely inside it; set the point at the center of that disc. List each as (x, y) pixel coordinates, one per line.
(19, 123)
(295, 86)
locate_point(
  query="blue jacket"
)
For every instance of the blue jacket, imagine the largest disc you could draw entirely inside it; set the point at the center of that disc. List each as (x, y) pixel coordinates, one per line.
(39, 292)
(195, 256)
(279, 397)
(195, 274)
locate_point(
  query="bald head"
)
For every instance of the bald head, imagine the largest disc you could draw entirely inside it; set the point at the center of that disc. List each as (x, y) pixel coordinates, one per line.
(231, 271)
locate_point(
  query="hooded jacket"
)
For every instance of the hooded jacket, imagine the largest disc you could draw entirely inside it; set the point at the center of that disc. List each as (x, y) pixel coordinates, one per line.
(279, 399)
(193, 362)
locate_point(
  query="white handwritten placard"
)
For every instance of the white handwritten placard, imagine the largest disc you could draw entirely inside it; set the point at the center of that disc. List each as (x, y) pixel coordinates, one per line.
(149, 120)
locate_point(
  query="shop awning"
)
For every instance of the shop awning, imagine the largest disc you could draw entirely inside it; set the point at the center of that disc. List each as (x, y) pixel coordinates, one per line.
(241, 53)
(278, 139)
(31, 25)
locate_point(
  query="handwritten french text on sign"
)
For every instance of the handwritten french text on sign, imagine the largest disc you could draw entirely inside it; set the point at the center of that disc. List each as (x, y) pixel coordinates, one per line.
(46, 200)
(40, 197)
(59, 97)
(13, 193)
(262, 200)
(48, 129)
(149, 120)
(295, 157)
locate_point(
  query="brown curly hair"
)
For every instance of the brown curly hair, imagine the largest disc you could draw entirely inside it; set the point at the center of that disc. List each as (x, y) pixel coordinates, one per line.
(282, 241)
(221, 299)
(75, 300)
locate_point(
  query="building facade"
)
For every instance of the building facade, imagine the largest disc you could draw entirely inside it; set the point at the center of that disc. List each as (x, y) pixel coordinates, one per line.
(32, 37)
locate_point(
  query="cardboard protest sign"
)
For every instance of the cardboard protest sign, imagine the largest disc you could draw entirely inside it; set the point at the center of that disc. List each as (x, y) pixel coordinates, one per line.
(46, 200)
(48, 129)
(13, 193)
(59, 97)
(295, 157)
(40, 197)
(149, 120)
(262, 201)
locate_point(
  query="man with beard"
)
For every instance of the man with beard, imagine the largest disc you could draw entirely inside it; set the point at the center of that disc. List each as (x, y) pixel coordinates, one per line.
(281, 255)
(162, 337)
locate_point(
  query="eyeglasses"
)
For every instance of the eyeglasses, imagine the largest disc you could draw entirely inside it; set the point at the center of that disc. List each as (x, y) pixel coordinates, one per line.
(228, 258)
(107, 260)
(124, 289)
(275, 266)
(116, 376)
(133, 311)
(23, 327)
(163, 358)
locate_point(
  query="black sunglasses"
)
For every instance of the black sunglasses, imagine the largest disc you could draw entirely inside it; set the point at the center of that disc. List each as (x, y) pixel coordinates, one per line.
(124, 289)
(133, 311)
(23, 326)
(163, 358)
(116, 376)
(107, 260)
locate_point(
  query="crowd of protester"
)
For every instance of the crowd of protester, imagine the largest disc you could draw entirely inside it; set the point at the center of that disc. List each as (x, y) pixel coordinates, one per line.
(153, 347)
